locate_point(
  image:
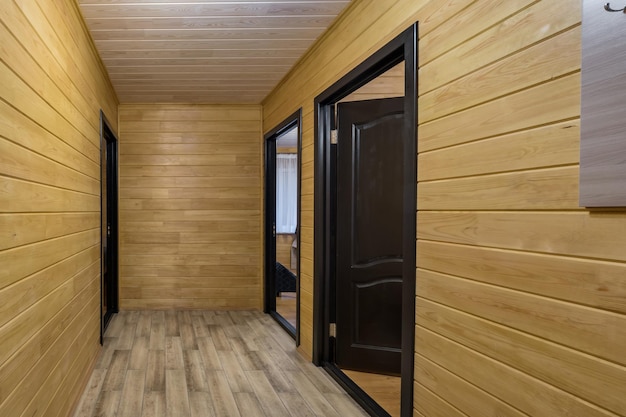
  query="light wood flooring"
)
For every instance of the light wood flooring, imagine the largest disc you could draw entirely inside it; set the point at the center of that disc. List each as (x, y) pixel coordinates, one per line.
(207, 364)
(384, 389)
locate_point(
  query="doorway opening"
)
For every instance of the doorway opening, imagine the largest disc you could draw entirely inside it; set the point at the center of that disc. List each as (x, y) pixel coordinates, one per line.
(282, 218)
(108, 224)
(365, 231)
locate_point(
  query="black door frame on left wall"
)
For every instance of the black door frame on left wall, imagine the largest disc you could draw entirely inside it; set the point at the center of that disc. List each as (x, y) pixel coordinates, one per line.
(403, 48)
(269, 303)
(108, 141)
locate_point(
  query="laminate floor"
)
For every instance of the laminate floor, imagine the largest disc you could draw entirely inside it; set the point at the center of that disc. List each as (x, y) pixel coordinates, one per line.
(206, 364)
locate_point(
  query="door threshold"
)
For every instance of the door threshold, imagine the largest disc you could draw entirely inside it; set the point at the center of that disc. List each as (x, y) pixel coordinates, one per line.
(353, 390)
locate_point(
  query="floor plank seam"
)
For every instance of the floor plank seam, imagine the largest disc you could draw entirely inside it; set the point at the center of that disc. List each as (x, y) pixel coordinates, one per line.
(206, 364)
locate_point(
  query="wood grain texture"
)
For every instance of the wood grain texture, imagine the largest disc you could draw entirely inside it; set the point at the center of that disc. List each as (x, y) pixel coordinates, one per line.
(575, 233)
(517, 29)
(386, 85)
(530, 354)
(451, 389)
(540, 105)
(203, 52)
(577, 327)
(196, 246)
(545, 146)
(241, 370)
(365, 26)
(552, 57)
(522, 391)
(502, 243)
(283, 249)
(582, 281)
(52, 89)
(555, 188)
(513, 279)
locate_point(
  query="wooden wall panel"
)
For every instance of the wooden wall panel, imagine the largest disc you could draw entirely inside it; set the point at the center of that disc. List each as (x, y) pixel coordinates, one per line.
(520, 292)
(530, 354)
(283, 249)
(522, 391)
(52, 88)
(190, 206)
(467, 398)
(386, 85)
(540, 105)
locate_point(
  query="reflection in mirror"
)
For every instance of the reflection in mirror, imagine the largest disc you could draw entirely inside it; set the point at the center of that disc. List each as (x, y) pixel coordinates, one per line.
(287, 224)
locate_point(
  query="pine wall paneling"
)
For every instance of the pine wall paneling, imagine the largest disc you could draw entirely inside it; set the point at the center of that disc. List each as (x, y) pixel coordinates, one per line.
(190, 206)
(283, 249)
(52, 88)
(203, 51)
(520, 292)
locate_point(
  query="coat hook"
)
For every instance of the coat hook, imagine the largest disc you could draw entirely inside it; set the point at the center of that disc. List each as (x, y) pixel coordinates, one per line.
(608, 8)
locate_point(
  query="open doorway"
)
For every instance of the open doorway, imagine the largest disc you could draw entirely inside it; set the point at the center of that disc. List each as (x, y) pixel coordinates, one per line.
(108, 224)
(365, 210)
(282, 218)
(375, 366)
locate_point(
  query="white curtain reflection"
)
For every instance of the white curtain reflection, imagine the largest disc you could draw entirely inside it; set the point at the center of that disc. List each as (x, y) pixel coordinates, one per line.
(286, 193)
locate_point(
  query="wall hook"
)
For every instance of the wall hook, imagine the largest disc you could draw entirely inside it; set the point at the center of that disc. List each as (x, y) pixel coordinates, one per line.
(608, 8)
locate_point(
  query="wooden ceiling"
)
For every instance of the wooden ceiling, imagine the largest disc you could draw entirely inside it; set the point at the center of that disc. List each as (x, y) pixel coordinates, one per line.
(195, 51)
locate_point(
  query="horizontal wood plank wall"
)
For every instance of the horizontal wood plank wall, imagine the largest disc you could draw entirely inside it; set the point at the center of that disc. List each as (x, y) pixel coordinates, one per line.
(52, 87)
(283, 249)
(521, 294)
(190, 206)
(387, 85)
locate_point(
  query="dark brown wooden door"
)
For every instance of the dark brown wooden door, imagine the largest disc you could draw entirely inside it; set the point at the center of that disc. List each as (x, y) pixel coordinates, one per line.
(105, 230)
(109, 223)
(370, 182)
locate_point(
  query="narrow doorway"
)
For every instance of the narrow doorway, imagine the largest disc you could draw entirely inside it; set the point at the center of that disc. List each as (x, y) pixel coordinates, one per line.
(108, 224)
(282, 218)
(365, 210)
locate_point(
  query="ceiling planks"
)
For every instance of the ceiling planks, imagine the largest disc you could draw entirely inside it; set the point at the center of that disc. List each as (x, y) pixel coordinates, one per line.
(194, 51)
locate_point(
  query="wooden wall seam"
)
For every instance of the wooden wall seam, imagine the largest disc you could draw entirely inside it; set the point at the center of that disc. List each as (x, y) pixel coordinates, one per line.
(520, 292)
(51, 94)
(190, 215)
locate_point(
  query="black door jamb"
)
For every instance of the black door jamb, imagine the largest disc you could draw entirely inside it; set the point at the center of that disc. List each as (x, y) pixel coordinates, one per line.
(108, 140)
(269, 302)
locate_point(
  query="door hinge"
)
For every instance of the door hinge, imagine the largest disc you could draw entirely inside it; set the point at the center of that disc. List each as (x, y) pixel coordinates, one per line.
(332, 330)
(333, 137)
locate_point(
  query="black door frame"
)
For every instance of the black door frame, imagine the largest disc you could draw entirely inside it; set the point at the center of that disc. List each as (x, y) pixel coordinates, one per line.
(108, 141)
(402, 48)
(269, 303)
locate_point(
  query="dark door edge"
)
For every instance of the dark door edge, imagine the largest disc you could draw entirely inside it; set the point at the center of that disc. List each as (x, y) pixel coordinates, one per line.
(269, 247)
